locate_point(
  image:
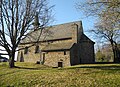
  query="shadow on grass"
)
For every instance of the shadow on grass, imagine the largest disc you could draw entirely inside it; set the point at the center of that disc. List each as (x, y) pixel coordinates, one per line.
(20, 69)
(100, 66)
(33, 68)
(27, 68)
(103, 66)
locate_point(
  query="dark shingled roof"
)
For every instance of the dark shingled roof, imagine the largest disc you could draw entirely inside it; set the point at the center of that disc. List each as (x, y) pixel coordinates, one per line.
(57, 47)
(52, 33)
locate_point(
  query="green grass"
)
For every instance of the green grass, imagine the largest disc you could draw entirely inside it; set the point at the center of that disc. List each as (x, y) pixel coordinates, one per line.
(35, 75)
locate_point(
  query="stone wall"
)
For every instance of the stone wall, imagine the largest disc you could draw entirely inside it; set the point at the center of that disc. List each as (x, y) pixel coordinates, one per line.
(86, 52)
(77, 31)
(52, 58)
(74, 55)
(31, 56)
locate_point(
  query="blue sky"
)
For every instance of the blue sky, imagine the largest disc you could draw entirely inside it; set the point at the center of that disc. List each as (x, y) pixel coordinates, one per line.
(65, 11)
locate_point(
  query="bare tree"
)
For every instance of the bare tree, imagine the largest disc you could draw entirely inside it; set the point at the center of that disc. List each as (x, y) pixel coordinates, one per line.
(100, 7)
(108, 26)
(17, 19)
(106, 29)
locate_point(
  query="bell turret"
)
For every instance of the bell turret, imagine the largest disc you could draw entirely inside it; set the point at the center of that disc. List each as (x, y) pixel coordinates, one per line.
(36, 22)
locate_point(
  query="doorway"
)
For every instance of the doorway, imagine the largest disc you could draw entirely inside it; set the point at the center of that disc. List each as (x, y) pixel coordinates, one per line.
(60, 64)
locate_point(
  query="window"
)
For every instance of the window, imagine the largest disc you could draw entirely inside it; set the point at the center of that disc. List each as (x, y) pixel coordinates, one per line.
(26, 50)
(43, 57)
(37, 49)
(64, 52)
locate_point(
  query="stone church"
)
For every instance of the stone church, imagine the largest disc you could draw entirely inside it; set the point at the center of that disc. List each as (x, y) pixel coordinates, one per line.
(57, 46)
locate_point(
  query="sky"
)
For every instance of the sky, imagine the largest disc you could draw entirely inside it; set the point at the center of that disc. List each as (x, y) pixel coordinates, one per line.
(65, 11)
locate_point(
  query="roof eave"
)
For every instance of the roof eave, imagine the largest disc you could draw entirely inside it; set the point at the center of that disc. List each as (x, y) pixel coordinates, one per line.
(55, 50)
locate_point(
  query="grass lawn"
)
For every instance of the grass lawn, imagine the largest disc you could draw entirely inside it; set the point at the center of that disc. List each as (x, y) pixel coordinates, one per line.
(35, 75)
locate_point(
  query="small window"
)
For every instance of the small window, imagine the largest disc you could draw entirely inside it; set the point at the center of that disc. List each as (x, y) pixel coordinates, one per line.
(64, 52)
(37, 50)
(43, 57)
(26, 50)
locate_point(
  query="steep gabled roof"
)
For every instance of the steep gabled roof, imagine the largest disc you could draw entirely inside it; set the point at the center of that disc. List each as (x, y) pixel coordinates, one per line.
(62, 31)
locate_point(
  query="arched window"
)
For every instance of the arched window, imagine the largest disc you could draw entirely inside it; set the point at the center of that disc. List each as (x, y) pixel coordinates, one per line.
(37, 50)
(26, 50)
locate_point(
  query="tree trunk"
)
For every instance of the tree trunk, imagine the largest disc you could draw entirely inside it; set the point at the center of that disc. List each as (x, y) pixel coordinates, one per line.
(115, 57)
(11, 60)
(11, 63)
(115, 53)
